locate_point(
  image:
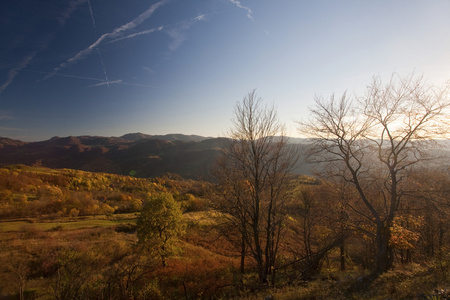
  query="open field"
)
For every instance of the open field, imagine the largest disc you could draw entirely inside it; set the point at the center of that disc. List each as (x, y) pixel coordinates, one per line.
(67, 224)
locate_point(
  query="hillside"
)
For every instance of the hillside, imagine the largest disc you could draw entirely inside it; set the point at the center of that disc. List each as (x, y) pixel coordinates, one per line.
(143, 155)
(136, 154)
(68, 234)
(49, 193)
(168, 137)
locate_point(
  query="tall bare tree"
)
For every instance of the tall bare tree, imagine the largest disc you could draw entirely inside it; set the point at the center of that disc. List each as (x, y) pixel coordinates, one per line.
(374, 141)
(251, 177)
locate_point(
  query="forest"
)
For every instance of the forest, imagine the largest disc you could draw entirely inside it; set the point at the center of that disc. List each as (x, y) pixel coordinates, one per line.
(373, 223)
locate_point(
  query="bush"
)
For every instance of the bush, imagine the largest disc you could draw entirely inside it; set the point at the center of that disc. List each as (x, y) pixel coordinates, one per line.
(192, 203)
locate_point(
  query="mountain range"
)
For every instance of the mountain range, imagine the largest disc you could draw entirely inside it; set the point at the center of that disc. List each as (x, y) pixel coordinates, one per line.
(137, 154)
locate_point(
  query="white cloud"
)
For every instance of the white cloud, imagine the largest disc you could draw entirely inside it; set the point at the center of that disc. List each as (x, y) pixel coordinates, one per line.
(249, 11)
(201, 17)
(178, 32)
(178, 36)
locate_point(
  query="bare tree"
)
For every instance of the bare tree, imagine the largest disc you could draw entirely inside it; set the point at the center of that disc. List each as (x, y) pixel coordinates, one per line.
(374, 141)
(251, 177)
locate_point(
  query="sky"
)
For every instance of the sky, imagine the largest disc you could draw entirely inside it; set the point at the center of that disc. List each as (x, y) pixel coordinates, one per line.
(111, 67)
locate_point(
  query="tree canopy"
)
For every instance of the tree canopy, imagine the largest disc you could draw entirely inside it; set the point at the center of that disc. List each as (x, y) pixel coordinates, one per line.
(159, 223)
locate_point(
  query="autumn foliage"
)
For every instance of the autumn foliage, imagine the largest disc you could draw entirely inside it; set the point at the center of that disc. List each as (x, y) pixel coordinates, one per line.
(69, 234)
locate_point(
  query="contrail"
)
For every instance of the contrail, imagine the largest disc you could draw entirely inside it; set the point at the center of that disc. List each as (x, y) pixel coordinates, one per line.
(101, 81)
(103, 66)
(121, 83)
(110, 35)
(137, 34)
(98, 50)
(106, 83)
(148, 31)
(92, 17)
(138, 84)
(67, 75)
(62, 19)
(13, 72)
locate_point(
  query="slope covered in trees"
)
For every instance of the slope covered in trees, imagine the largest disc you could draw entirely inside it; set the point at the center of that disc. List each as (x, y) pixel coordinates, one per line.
(37, 192)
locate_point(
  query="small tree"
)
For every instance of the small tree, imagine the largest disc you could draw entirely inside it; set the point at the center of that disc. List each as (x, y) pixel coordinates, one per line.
(159, 223)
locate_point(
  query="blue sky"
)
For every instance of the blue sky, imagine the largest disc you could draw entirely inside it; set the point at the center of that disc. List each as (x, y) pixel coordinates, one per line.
(110, 67)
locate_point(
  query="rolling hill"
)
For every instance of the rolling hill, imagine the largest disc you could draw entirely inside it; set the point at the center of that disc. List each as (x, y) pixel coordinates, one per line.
(138, 154)
(141, 155)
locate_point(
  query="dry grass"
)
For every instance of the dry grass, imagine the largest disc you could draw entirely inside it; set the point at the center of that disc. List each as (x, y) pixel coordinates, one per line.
(67, 223)
(413, 281)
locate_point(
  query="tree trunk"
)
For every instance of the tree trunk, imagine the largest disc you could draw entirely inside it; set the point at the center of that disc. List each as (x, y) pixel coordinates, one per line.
(342, 255)
(243, 250)
(384, 257)
(259, 257)
(163, 256)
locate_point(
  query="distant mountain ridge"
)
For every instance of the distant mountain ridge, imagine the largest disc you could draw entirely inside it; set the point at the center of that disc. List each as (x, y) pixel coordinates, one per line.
(10, 142)
(168, 137)
(136, 153)
(139, 154)
(142, 155)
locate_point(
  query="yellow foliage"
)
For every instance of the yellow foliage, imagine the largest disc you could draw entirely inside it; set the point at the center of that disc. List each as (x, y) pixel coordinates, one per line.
(404, 231)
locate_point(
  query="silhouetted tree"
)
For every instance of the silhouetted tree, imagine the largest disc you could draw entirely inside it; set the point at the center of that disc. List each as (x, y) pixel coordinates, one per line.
(374, 141)
(251, 176)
